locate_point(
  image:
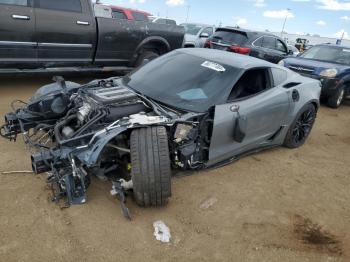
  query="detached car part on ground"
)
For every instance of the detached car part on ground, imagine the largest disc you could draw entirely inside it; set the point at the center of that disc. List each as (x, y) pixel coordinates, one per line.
(331, 65)
(189, 109)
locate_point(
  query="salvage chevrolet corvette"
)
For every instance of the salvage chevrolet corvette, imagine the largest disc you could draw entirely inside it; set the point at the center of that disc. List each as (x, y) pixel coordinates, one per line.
(189, 109)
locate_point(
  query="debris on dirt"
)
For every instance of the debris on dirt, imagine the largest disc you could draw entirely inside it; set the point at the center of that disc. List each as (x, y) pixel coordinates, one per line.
(257, 159)
(315, 237)
(330, 135)
(16, 172)
(161, 231)
(208, 203)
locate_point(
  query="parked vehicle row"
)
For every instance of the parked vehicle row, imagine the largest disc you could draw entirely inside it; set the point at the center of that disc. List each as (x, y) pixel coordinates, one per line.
(328, 63)
(191, 108)
(82, 35)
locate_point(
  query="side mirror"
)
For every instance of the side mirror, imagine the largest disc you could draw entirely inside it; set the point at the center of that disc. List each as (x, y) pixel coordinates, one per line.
(204, 35)
(240, 129)
(234, 108)
(290, 52)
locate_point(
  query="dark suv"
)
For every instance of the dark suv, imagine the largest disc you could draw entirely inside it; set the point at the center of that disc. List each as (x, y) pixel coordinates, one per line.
(328, 63)
(257, 44)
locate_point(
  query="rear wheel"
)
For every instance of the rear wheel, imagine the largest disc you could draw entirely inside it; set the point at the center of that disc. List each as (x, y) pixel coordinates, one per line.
(151, 173)
(301, 127)
(335, 100)
(145, 57)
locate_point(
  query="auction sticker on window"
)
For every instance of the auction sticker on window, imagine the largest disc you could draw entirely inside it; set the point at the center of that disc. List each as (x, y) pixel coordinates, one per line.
(214, 66)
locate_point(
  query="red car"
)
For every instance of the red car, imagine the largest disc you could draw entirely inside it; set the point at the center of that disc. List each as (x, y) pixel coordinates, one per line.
(129, 14)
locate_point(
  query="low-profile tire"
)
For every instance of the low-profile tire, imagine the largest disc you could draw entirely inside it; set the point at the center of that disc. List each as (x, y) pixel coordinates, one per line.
(301, 127)
(150, 171)
(145, 57)
(337, 98)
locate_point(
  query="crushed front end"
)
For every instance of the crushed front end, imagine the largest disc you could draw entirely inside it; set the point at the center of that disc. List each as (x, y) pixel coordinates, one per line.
(79, 131)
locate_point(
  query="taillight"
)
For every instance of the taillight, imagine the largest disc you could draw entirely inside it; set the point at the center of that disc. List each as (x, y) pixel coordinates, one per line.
(207, 44)
(240, 50)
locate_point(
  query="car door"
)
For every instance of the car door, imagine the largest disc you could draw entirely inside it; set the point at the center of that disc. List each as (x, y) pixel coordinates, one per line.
(65, 32)
(282, 50)
(17, 27)
(262, 115)
(272, 49)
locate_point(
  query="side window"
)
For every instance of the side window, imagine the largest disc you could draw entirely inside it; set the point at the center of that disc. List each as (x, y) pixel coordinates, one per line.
(171, 22)
(61, 5)
(281, 47)
(116, 14)
(208, 30)
(161, 21)
(279, 76)
(140, 16)
(269, 42)
(259, 42)
(251, 83)
(14, 2)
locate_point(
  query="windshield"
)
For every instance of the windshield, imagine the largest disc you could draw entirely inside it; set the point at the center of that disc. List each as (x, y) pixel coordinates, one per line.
(332, 54)
(192, 29)
(184, 81)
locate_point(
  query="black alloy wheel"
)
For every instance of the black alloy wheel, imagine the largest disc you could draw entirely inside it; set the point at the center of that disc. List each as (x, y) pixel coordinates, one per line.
(301, 127)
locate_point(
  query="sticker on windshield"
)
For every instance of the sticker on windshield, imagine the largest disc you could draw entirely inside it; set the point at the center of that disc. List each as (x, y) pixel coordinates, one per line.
(346, 50)
(213, 66)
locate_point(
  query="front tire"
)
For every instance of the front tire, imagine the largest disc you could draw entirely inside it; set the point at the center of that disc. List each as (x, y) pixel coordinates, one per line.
(335, 100)
(151, 173)
(301, 127)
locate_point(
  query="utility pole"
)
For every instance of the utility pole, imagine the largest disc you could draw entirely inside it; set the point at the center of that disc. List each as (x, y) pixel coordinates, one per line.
(188, 12)
(285, 21)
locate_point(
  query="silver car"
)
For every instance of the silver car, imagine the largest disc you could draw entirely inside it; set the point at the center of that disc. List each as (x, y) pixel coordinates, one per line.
(197, 34)
(187, 110)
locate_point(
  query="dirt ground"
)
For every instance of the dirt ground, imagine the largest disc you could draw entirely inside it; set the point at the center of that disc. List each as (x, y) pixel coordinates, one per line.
(280, 205)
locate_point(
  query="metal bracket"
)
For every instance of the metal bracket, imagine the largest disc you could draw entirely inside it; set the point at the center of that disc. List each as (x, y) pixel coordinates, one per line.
(117, 190)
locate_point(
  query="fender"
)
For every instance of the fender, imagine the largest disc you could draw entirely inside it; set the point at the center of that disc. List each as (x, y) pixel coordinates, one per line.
(90, 156)
(345, 80)
(154, 39)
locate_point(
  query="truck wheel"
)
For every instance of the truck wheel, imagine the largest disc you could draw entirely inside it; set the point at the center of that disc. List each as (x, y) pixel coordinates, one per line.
(145, 57)
(301, 127)
(335, 100)
(150, 171)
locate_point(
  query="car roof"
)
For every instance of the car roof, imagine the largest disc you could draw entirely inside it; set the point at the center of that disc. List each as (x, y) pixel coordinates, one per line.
(227, 58)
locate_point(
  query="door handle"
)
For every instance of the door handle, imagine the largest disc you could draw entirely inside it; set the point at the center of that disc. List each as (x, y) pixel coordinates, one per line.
(21, 17)
(82, 23)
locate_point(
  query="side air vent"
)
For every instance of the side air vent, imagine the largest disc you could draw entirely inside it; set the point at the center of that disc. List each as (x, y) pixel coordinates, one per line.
(292, 84)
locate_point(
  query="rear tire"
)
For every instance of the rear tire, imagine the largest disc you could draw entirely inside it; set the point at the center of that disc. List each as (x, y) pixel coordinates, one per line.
(335, 100)
(151, 173)
(145, 57)
(301, 127)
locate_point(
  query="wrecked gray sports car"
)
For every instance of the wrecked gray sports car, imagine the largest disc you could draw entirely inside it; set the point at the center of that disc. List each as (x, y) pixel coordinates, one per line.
(189, 109)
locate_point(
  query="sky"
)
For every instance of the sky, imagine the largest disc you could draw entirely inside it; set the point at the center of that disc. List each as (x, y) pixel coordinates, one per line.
(323, 17)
